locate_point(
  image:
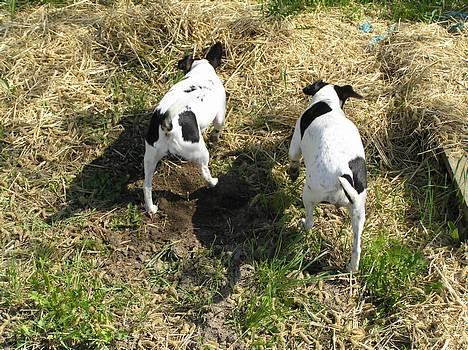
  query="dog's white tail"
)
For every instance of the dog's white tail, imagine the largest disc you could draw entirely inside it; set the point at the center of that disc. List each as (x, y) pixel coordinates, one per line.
(349, 190)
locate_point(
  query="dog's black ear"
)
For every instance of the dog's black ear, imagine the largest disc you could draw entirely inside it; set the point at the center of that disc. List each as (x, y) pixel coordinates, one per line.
(312, 89)
(344, 92)
(214, 55)
(185, 63)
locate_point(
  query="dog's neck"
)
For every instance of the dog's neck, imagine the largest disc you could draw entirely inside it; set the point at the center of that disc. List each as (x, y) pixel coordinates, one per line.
(201, 67)
(328, 95)
(333, 102)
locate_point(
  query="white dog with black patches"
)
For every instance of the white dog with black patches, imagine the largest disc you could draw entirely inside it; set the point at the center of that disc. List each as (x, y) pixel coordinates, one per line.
(181, 117)
(334, 158)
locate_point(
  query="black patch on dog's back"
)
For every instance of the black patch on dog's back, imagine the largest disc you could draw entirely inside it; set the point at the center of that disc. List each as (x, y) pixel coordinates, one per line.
(359, 170)
(190, 89)
(204, 87)
(315, 111)
(189, 125)
(153, 129)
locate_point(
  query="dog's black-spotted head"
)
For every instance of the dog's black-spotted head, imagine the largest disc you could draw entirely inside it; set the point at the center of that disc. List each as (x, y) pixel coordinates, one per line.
(213, 56)
(331, 91)
(312, 89)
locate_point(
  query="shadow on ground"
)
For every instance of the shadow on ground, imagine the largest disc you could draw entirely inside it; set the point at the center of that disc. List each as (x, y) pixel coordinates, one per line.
(105, 183)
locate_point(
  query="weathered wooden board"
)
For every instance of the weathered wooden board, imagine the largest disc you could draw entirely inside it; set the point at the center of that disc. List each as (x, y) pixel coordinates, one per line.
(457, 165)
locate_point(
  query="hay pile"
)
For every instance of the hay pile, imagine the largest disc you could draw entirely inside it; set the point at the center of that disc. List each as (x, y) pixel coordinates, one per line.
(426, 68)
(58, 65)
(417, 72)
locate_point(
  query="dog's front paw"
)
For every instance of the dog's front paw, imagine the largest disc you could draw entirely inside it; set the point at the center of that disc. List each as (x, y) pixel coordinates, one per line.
(215, 136)
(213, 182)
(352, 267)
(293, 172)
(152, 209)
(305, 225)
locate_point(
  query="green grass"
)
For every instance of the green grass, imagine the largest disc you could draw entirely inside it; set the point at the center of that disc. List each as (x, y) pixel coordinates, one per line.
(391, 271)
(394, 269)
(279, 197)
(425, 10)
(130, 92)
(13, 5)
(433, 195)
(12, 284)
(163, 266)
(427, 207)
(130, 219)
(4, 84)
(202, 280)
(406, 10)
(10, 6)
(68, 305)
(100, 185)
(196, 281)
(272, 299)
(284, 8)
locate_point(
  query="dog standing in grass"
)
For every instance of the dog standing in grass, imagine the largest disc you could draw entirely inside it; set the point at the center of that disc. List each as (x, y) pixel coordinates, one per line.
(334, 158)
(181, 117)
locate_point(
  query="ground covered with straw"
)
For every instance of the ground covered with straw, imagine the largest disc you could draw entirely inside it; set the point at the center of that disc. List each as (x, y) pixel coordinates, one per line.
(83, 267)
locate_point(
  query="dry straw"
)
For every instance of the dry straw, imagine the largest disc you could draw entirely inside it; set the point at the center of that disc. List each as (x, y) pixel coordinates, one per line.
(57, 64)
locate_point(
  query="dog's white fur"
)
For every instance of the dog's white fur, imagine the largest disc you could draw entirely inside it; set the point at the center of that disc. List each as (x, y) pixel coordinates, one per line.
(208, 102)
(328, 145)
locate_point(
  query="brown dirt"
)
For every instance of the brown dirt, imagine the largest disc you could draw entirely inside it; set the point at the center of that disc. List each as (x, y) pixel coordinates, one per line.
(190, 216)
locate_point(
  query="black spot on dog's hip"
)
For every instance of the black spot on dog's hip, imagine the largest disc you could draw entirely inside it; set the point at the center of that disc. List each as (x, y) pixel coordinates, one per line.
(153, 129)
(189, 125)
(359, 170)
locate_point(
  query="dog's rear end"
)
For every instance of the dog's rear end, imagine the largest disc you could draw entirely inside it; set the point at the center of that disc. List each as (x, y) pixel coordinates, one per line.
(334, 157)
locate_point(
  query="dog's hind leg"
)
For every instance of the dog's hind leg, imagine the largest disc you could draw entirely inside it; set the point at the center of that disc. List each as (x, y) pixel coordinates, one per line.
(152, 158)
(218, 124)
(358, 216)
(295, 154)
(203, 160)
(309, 204)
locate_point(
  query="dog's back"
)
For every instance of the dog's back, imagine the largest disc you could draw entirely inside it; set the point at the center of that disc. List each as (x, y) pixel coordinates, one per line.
(331, 141)
(188, 108)
(201, 91)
